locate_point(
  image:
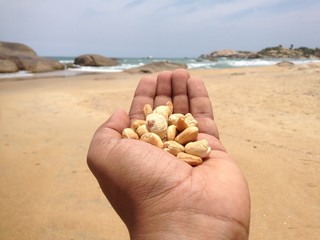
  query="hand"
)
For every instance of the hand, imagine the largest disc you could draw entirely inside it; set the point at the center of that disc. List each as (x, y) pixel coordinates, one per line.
(157, 195)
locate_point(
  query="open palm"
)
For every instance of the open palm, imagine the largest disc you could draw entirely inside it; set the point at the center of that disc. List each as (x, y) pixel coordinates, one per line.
(157, 195)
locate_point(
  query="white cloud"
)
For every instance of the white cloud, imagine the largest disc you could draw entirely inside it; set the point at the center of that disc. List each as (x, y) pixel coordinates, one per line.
(159, 28)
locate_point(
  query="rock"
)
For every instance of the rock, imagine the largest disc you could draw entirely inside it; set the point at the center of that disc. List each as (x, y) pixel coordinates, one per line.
(95, 60)
(285, 64)
(228, 53)
(39, 65)
(224, 53)
(26, 59)
(156, 67)
(8, 66)
(16, 49)
(71, 65)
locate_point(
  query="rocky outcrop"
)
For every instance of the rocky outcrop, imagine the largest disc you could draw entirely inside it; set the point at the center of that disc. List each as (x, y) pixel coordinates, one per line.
(95, 60)
(25, 59)
(270, 52)
(229, 53)
(298, 53)
(156, 67)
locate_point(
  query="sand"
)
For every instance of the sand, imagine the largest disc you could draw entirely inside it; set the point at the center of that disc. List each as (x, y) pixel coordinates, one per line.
(269, 120)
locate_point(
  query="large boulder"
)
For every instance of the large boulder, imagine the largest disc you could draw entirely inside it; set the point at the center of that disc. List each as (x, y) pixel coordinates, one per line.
(8, 66)
(95, 60)
(16, 49)
(156, 67)
(25, 59)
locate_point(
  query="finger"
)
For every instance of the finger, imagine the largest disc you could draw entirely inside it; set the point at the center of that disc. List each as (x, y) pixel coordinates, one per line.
(144, 94)
(106, 135)
(117, 122)
(164, 91)
(199, 102)
(200, 106)
(180, 91)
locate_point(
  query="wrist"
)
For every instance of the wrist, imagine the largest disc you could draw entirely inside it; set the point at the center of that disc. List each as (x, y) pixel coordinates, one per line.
(188, 226)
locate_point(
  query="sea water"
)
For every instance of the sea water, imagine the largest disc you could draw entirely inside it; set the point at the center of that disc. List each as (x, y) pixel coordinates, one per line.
(191, 63)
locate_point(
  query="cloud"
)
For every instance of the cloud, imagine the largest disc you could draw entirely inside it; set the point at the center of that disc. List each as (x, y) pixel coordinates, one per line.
(160, 28)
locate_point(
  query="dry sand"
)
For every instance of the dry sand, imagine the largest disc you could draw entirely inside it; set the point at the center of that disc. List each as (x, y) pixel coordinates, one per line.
(269, 120)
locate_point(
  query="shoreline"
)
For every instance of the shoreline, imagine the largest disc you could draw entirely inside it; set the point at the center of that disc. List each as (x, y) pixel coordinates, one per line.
(71, 72)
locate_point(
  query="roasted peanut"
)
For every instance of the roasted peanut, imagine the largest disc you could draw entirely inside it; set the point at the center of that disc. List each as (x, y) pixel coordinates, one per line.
(137, 123)
(190, 159)
(157, 123)
(142, 130)
(153, 139)
(170, 106)
(173, 118)
(176, 133)
(199, 148)
(181, 124)
(163, 110)
(129, 133)
(190, 134)
(171, 132)
(147, 109)
(173, 147)
(190, 120)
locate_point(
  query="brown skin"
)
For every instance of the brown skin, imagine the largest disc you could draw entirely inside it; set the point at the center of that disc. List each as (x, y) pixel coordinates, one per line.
(157, 195)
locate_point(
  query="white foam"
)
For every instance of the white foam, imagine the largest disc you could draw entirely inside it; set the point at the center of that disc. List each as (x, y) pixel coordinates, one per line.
(16, 75)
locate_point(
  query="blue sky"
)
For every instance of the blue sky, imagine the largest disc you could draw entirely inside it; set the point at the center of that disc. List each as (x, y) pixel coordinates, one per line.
(176, 28)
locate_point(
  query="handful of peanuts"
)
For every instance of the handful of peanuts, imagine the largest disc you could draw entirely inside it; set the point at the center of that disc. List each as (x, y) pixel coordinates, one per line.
(175, 133)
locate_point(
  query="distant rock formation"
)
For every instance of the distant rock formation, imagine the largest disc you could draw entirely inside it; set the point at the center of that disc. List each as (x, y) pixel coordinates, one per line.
(281, 52)
(270, 52)
(95, 60)
(156, 67)
(229, 53)
(17, 56)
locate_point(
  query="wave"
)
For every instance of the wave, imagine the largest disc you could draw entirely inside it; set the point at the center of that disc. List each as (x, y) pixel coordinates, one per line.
(192, 63)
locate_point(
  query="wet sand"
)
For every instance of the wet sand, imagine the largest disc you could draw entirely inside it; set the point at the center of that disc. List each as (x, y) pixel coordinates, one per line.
(268, 118)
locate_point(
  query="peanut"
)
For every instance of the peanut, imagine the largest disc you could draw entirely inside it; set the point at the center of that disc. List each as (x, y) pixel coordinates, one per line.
(190, 120)
(181, 124)
(153, 139)
(157, 123)
(173, 119)
(147, 109)
(129, 133)
(137, 123)
(190, 159)
(199, 148)
(175, 133)
(171, 132)
(173, 147)
(188, 135)
(142, 130)
(163, 110)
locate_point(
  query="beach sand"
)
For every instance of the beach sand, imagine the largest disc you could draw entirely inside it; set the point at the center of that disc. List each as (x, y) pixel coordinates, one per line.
(268, 118)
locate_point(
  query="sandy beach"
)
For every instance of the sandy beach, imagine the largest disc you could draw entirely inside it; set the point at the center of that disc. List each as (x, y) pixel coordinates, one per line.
(268, 118)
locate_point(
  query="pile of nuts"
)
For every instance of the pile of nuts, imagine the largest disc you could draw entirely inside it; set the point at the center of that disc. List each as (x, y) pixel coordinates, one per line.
(175, 133)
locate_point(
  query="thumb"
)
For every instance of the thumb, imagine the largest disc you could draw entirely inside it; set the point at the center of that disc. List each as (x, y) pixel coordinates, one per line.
(104, 139)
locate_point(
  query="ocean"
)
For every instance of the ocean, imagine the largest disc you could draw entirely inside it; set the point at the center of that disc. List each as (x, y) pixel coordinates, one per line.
(192, 63)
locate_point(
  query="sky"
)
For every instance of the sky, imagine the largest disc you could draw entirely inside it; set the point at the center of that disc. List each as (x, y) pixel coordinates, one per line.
(158, 28)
